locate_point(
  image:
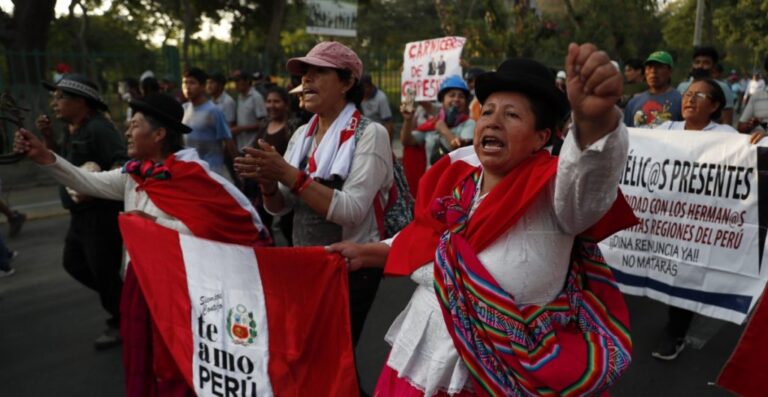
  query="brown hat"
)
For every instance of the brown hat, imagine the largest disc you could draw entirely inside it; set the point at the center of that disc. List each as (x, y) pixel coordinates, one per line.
(328, 54)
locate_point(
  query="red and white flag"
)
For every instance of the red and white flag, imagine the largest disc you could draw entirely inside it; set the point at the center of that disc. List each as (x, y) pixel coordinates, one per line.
(244, 321)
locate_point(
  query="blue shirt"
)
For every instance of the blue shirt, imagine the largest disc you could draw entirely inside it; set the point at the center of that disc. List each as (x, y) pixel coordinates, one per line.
(209, 128)
(647, 111)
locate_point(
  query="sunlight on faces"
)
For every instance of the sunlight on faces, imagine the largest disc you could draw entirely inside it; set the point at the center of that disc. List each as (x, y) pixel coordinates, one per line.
(456, 98)
(323, 89)
(143, 141)
(276, 107)
(214, 88)
(506, 132)
(698, 103)
(192, 88)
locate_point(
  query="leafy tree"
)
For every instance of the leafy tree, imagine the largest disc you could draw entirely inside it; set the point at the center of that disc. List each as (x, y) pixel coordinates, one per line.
(626, 31)
(742, 26)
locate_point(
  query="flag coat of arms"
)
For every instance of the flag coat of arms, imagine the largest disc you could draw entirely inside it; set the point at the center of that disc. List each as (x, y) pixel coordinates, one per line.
(245, 321)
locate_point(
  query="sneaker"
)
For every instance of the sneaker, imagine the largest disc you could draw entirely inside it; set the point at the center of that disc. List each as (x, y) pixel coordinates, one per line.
(15, 223)
(669, 348)
(110, 338)
(12, 255)
(6, 273)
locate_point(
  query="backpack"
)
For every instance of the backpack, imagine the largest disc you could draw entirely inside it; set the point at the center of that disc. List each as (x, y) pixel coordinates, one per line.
(398, 212)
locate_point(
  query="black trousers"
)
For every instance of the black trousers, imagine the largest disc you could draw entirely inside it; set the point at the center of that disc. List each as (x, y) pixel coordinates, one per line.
(363, 285)
(678, 321)
(93, 252)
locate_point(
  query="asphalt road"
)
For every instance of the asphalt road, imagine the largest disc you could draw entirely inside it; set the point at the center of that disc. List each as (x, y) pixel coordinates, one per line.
(48, 323)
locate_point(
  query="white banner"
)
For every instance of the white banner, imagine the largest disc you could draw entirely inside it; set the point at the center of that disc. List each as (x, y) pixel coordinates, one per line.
(427, 63)
(332, 17)
(700, 241)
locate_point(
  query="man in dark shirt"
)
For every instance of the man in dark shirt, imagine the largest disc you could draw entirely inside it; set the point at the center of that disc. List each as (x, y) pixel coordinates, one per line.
(93, 247)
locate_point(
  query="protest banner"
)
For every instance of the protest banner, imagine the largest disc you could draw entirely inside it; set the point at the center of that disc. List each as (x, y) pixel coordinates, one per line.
(332, 17)
(244, 321)
(700, 241)
(427, 63)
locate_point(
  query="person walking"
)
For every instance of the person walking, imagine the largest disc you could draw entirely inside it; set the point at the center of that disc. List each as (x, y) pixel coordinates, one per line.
(336, 169)
(251, 111)
(214, 87)
(93, 247)
(704, 64)
(661, 102)
(508, 302)
(173, 187)
(210, 134)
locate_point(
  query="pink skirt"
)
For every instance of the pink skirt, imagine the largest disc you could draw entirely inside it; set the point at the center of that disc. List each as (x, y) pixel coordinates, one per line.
(390, 385)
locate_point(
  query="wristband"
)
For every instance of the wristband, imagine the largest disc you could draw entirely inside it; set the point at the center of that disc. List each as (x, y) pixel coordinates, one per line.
(305, 185)
(299, 183)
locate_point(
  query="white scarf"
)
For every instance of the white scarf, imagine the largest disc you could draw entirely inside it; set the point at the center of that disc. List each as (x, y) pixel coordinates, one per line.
(333, 155)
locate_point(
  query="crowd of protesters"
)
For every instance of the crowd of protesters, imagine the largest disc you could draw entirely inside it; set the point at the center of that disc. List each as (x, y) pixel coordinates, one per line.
(315, 163)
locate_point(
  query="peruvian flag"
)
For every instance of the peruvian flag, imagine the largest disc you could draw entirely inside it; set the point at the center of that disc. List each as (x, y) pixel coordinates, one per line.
(245, 321)
(744, 373)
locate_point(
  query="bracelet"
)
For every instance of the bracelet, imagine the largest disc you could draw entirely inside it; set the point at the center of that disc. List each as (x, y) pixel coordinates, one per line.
(299, 183)
(305, 185)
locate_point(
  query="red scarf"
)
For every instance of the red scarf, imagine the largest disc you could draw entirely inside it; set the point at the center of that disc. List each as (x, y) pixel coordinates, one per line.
(499, 211)
(203, 204)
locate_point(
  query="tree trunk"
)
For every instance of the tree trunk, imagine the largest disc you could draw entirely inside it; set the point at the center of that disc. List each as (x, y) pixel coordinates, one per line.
(25, 37)
(273, 35)
(79, 34)
(187, 20)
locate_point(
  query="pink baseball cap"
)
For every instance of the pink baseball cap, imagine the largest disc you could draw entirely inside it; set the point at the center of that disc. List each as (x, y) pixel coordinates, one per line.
(328, 54)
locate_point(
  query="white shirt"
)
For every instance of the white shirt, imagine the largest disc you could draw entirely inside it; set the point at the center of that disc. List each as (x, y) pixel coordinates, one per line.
(530, 261)
(227, 106)
(680, 125)
(376, 107)
(250, 108)
(370, 174)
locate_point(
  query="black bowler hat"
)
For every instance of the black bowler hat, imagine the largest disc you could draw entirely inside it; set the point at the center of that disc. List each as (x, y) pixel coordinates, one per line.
(166, 109)
(78, 85)
(527, 77)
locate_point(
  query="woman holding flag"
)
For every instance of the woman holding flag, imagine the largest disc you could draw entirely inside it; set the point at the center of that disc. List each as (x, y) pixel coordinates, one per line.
(513, 296)
(335, 169)
(174, 188)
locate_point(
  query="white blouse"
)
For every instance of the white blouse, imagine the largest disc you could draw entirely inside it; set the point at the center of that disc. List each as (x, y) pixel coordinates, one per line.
(370, 174)
(530, 261)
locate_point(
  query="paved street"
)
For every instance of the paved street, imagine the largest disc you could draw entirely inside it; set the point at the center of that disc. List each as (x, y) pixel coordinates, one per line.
(48, 323)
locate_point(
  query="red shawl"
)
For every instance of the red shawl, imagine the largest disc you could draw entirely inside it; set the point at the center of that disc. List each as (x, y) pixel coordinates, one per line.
(500, 210)
(209, 206)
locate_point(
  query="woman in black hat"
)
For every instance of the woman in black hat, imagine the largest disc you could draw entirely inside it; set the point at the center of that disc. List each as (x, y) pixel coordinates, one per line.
(500, 308)
(172, 187)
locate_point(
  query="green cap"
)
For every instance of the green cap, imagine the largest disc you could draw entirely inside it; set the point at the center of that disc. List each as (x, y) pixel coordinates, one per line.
(660, 57)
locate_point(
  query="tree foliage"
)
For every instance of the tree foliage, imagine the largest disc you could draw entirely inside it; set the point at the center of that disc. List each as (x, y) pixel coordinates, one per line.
(742, 25)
